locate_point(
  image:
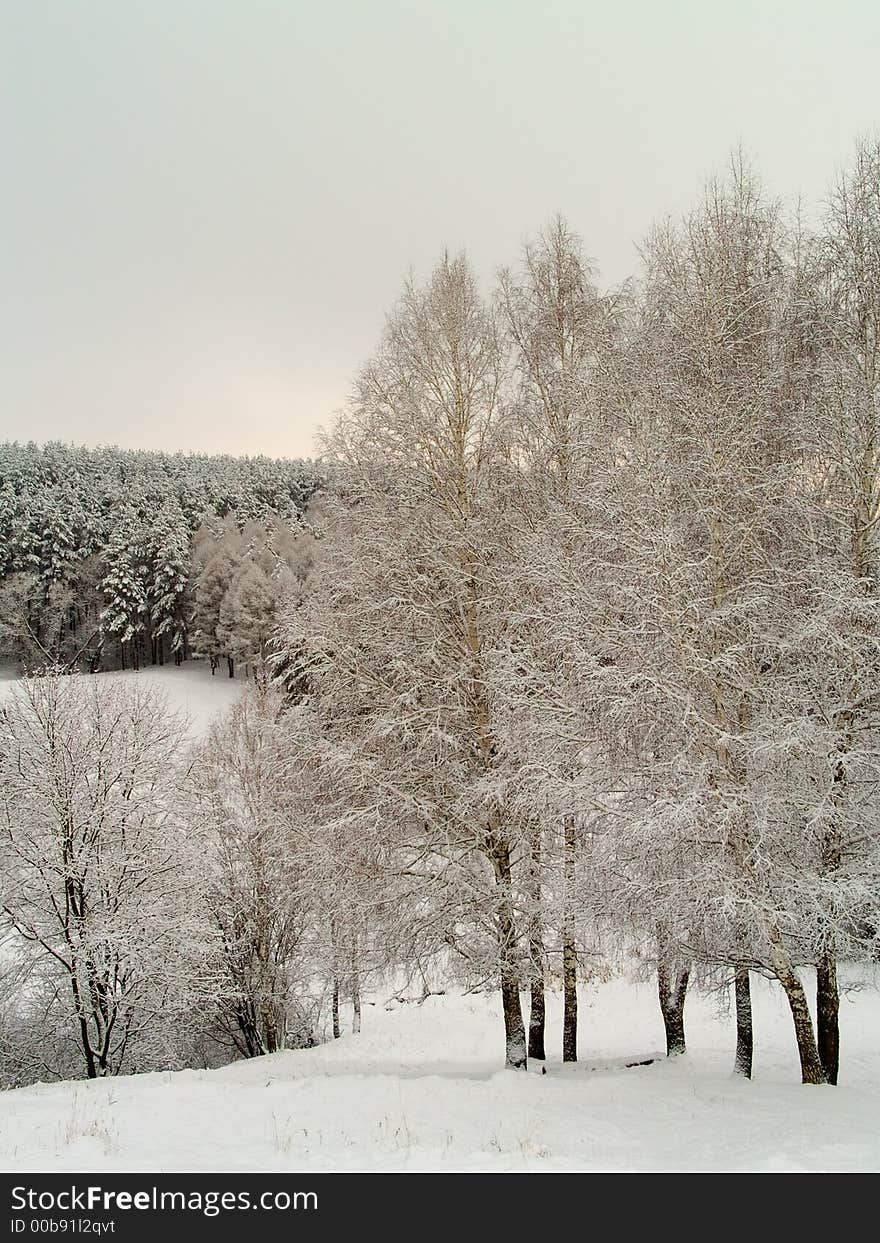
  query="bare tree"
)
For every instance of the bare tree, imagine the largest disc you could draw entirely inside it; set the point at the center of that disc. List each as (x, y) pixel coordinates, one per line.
(100, 882)
(265, 910)
(560, 330)
(402, 629)
(715, 528)
(847, 486)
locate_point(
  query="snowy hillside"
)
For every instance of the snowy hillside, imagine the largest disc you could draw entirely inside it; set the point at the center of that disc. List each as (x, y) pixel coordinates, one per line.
(421, 1089)
(189, 688)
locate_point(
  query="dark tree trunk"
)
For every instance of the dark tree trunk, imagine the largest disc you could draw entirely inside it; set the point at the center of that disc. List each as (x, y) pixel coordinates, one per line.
(827, 990)
(334, 950)
(231, 665)
(672, 983)
(514, 1027)
(355, 986)
(270, 1027)
(267, 1000)
(569, 950)
(744, 1037)
(828, 1014)
(537, 1009)
(569, 1003)
(91, 1068)
(247, 1039)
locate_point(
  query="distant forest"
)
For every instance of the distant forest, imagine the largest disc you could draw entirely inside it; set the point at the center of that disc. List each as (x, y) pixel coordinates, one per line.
(113, 558)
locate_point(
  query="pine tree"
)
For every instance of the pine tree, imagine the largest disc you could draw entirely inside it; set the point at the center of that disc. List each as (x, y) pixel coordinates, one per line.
(124, 584)
(168, 590)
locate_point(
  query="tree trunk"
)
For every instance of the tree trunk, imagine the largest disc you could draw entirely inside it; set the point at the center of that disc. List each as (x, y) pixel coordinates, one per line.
(537, 1009)
(672, 983)
(812, 1070)
(355, 986)
(827, 1014)
(336, 1031)
(744, 1037)
(569, 950)
(827, 992)
(335, 955)
(514, 1027)
(270, 1027)
(569, 1005)
(91, 1069)
(267, 1001)
(231, 666)
(248, 1040)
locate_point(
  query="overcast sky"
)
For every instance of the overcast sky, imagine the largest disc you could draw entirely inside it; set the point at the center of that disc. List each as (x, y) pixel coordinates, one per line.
(207, 206)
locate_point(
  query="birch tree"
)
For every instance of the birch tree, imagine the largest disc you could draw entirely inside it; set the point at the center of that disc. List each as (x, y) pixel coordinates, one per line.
(845, 488)
(561, 332)
(716, 535)
(402, 629)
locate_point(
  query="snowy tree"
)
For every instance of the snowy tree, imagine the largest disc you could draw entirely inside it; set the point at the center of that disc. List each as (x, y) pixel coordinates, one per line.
(126, 607)
(840, 649)
(99, 879)
(223, 560)
(560, 331)
(262, 902)
(721, 582)
(401, 630)
(168, 583)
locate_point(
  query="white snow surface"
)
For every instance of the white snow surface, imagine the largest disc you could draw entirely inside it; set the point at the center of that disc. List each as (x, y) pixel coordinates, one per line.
(190, 689)
(422, 1088)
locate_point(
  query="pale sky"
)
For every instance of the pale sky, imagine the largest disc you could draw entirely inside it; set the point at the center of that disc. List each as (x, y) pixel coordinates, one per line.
(208, 206)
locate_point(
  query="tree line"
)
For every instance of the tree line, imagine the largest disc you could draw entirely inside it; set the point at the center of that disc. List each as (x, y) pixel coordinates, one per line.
(97, 545)
(591, 649)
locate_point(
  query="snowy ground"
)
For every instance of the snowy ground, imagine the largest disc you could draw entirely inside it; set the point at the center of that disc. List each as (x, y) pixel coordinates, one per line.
(421, 1089)
(191, 690)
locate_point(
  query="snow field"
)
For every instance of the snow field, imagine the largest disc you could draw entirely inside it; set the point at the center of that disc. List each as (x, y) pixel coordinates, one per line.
(421, 1089)
(190, 689)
